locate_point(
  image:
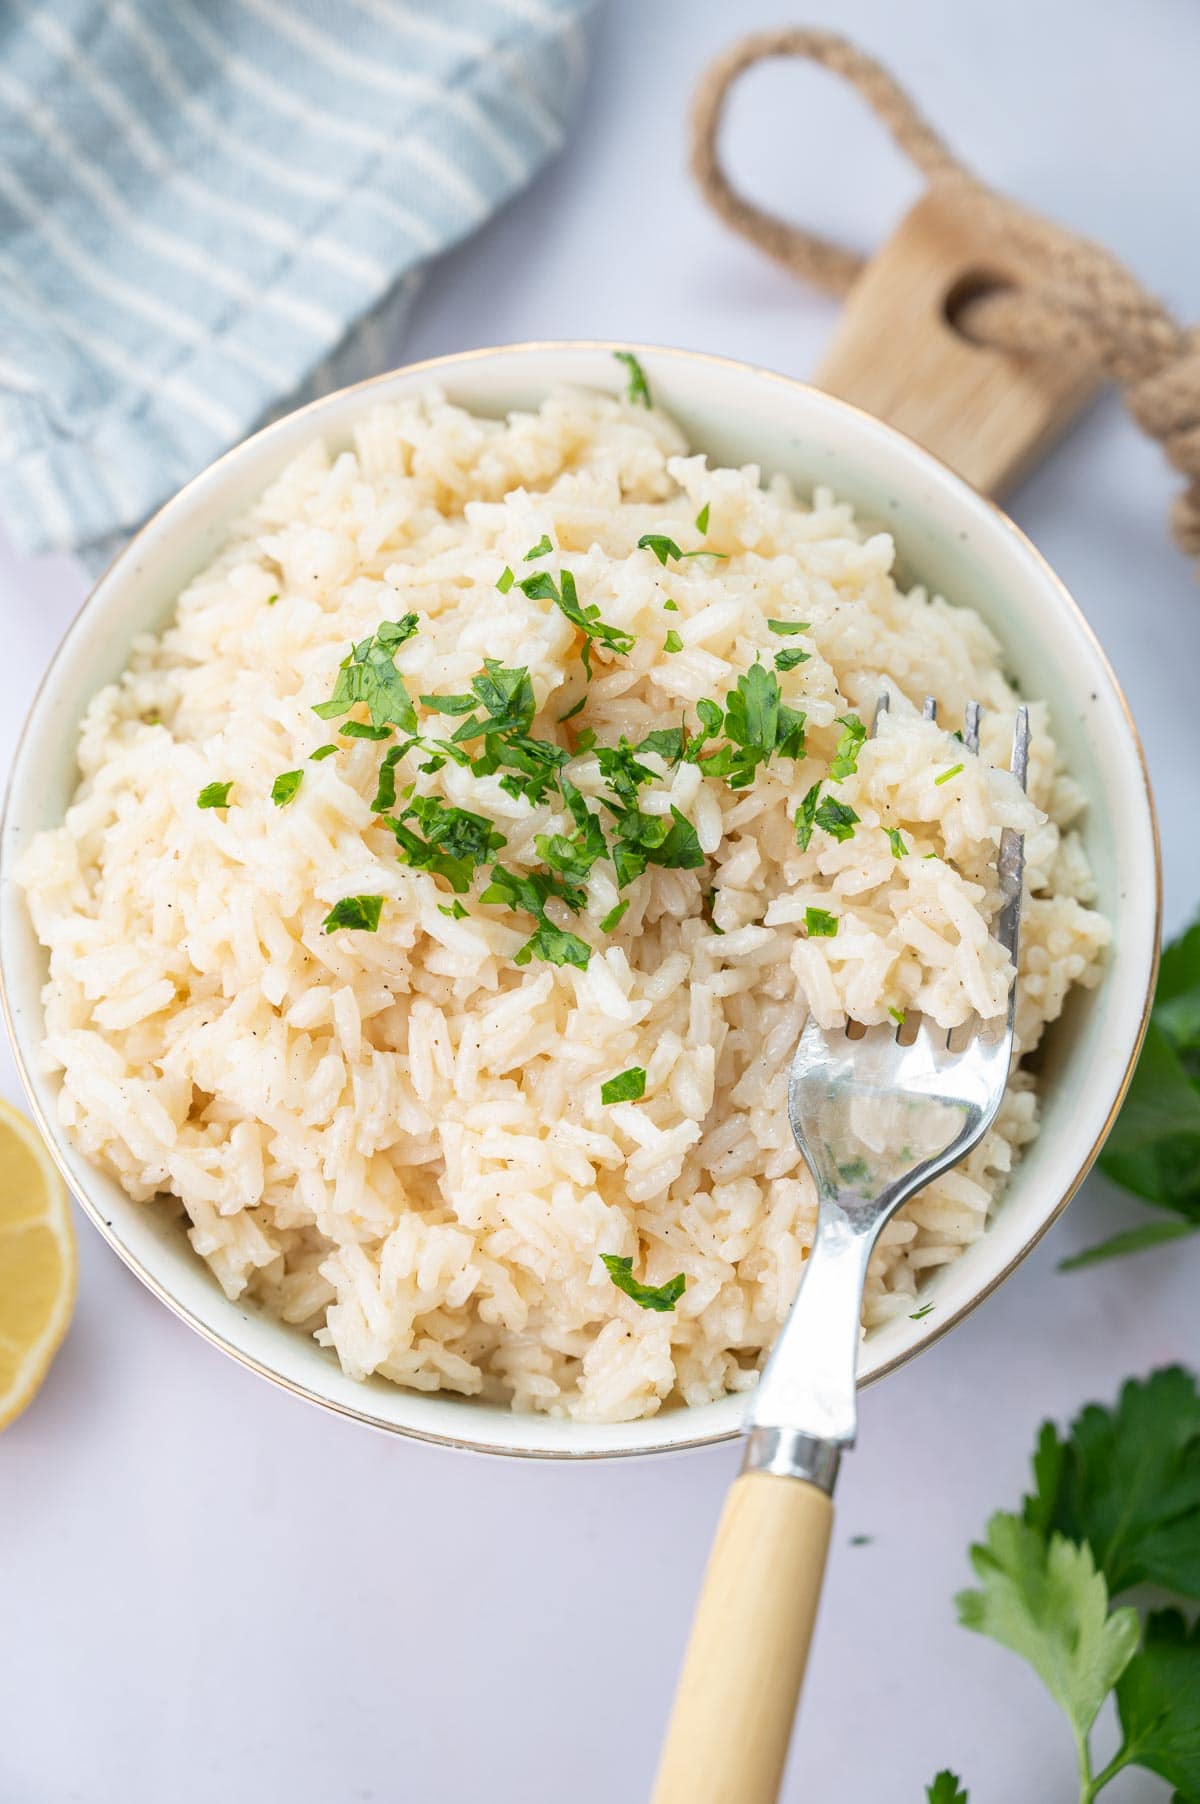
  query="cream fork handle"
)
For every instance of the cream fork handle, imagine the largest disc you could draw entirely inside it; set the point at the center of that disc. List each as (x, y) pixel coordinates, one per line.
(732, 1718)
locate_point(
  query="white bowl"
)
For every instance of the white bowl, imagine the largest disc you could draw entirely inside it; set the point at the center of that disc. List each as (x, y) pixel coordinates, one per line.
(949, 536)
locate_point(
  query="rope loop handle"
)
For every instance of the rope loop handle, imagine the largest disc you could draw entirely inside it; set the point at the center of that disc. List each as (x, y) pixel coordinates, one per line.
(1084, 299)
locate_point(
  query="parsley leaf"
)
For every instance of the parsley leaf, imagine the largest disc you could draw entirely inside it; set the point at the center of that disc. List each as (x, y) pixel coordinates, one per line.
(702, 519)
(946, 1789)
(505, 580)
(385, 791)
(361, 729)
(355, 911)
(530, 892)
(449, 704)
(1154, 1149)
(638, 388)
(672, 641)
(662, 1297)
(627, 1086)
(672, 607)
(668, 742)
(918, 1315)
(837, 818)
(946, 775)
(662, 547)
(785, 628)
(541, 549)
(507, 699)
(806, 815)
(1127, 1480)
(456, 841)
(899, 849)
(454, 909)
(543, 587)
(788, 660)
(614, 916)
(214, 795)
(368, 674)
(322, 751)
(820, 924)
(1046, 1601)
(1158, 1699)
(285, 786)
(845, 758)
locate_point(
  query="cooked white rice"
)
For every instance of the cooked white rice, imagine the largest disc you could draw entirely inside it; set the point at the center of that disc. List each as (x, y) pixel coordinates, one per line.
(396, 1140)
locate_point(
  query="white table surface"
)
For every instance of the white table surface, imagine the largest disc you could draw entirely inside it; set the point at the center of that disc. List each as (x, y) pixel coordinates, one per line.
(209, 1590)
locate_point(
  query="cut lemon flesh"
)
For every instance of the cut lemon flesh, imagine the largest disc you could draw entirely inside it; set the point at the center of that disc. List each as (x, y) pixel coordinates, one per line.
(37, 1262)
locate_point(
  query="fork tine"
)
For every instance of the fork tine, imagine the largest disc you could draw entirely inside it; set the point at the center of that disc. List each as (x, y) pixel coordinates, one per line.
(971, 727)
(1010, 864)
(929, 711)
(1020, 746)
(881, 708)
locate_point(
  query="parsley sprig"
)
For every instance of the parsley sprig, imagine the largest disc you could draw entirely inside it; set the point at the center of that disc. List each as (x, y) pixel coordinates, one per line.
(1154, 1149)
(1116, 1503)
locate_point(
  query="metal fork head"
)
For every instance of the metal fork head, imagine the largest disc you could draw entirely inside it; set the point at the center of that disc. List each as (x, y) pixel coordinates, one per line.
(877, 1117)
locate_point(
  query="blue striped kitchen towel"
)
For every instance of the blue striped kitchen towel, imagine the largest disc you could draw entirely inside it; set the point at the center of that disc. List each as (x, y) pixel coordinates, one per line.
(212, 208)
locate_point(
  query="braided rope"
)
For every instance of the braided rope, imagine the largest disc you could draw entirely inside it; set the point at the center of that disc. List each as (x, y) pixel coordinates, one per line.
(1083, 298)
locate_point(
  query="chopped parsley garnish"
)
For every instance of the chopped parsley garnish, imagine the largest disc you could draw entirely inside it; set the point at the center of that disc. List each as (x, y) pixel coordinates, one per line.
(322, 751)
(530, 891)
(918, 1315)
(627, 1086)
(543, 587)
(845, 758)
(947, 774)
(638, 389)
(573, 856)
(570, 714)
(450, 704)
(788, 660)
(214, 795)
(614, 916)
(368, 674)
(285, 786)
(456, 841)
(702, 519)
(806, 815)
(385, 793)
(837, 818)
(785, 628)
(272, 599)
(505, 580)
(454, 909)
(672, 642)
(662, 547)
(899, 849)
(672, 607)
(361, 729)
(662, 1297)
(820, 923)
(897, 1015)
(361, 912)
(668, 742)
(542, 549)
(707, 911)
(757, 723)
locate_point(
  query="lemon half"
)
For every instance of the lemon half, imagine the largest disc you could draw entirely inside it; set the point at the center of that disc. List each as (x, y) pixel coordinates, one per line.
(37, 1262)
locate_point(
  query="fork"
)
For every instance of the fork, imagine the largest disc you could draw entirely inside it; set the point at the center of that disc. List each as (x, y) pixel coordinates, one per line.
(877, 1113)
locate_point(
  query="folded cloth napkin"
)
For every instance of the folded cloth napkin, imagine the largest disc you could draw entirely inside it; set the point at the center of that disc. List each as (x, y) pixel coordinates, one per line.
(212, 209)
